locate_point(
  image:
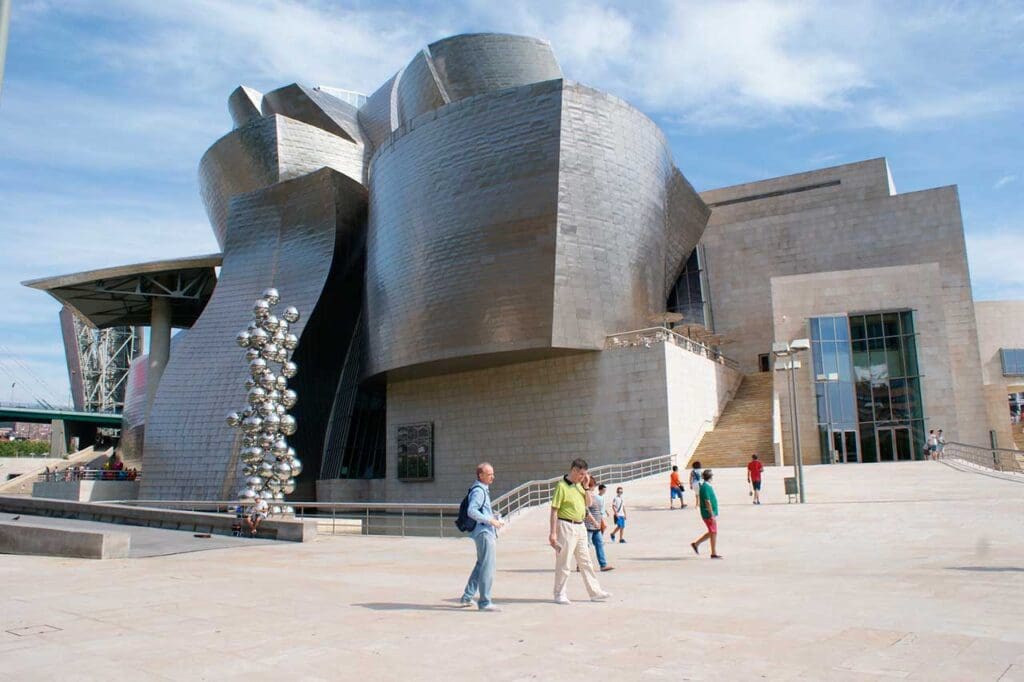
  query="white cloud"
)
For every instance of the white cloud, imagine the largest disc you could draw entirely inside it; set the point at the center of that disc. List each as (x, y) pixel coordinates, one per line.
(1004, 181)
(997, 265)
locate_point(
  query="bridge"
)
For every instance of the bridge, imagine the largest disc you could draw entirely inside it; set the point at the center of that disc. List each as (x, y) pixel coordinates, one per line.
(64, 424)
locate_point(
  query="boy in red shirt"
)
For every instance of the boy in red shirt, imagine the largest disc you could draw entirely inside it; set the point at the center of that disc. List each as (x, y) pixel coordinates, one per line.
(675, 487)
(754, 469)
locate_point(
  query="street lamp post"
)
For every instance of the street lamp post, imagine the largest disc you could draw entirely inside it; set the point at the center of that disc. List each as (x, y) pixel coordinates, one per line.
(788, 352)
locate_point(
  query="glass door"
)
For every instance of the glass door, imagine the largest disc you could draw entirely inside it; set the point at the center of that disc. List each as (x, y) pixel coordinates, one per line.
(844, 446)
(895, 444)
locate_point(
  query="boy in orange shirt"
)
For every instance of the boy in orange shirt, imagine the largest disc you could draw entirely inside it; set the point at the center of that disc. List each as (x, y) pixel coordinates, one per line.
(675, 488)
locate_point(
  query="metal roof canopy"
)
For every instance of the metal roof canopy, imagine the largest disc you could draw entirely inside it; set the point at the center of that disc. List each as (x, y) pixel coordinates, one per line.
(123, 295)
(44, 416)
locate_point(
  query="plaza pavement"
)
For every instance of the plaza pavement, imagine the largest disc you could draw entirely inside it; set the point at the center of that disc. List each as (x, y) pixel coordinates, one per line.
(892, 571)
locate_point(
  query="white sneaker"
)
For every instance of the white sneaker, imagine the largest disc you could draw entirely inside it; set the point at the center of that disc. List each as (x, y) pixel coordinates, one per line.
(601, 596)
(562, 599)
(466, 603)
(490, 607)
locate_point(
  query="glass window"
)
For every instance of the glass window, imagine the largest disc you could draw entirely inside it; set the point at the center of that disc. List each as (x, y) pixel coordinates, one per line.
(857, 331)
(880, 396)
(843, 361)
(907, 321)
(815, 330)
(910, 356)
(816, 356)
(827, 328)
(819, 395)
(879, 363)
(900, 399)
(861, 365)
(865, 412)
(891, 324)
(842, 329)
(868, 451)
(914, 402)
(894, 356)
(874, 325)
(1013, 361)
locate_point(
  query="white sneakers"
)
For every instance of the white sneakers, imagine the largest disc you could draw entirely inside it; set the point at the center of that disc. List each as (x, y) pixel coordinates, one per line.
(600, 596)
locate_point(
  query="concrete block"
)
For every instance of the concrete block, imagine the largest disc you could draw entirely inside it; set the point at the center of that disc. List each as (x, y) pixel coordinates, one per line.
(17, 537)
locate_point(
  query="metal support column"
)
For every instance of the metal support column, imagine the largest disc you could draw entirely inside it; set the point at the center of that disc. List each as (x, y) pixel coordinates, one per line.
(159, 347)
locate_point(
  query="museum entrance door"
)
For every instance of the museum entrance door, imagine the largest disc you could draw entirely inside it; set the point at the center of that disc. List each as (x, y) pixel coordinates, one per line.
(894, 443)
(844, 447)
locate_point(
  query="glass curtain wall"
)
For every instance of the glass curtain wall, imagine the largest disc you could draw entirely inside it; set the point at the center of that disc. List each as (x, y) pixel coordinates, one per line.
(868, 387)
(687, 296)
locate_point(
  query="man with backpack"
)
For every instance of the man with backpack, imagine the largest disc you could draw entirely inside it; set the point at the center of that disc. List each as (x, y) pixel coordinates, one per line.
(477, 518)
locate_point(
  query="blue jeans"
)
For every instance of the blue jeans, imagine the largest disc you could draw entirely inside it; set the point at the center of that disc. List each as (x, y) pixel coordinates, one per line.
(482, 577)
(597, 540)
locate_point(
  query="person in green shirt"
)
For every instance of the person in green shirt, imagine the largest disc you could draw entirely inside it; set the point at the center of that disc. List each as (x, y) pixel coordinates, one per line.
(568, 536)
(709, 513)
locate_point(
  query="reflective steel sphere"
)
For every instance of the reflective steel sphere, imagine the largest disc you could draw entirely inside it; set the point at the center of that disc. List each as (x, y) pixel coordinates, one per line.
(252, 354)
(291, 314)
(266, 470)
(243, 338)
(289, 369)
(246, 494)
(258, 338)
(269, 351)
(289, 398)
(233, 419)
(257, 367)
(248, 470)
(270, 323)
(268, 381)
(282, 471)
(281, 355)
(261, 308)
(256, 395)
(271, 423)
(274, 395)
(291, 341)
(289, 486)
(276, 509)
(271, 296)
(268, 407)
(281, 410)
(279, 448)
(273, 484)
(288, 510)
(283, 326)
(279, 496)
(252, 424)
(266, 440)
(281, 383)
(296, 466)
(287, 424)
(254, 482)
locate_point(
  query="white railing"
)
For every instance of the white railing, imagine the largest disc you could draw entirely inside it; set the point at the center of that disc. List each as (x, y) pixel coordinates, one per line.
(533, 493)
(403, 519)
(646, 338)
(70, 475)
(996, 459)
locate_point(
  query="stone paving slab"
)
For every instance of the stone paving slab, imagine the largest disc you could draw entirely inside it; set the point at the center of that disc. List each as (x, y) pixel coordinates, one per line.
(908, 571)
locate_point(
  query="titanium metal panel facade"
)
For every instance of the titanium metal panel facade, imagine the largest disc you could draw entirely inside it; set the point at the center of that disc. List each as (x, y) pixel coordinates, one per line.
(282, 236)
(477, 63)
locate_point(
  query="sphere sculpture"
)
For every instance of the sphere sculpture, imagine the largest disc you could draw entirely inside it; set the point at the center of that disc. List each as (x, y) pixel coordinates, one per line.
(269, 464)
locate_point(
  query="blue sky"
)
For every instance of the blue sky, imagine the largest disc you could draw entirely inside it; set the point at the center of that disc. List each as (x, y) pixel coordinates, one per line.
(107, 106)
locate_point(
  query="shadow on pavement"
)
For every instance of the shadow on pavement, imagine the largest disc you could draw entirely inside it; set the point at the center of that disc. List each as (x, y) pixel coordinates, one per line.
(987, 569)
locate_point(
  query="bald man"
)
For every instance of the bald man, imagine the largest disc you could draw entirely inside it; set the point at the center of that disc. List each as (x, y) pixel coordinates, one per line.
(485, 535)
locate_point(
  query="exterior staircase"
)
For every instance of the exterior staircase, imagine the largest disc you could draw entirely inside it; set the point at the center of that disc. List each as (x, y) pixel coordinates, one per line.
(22, 485)
(744, 428)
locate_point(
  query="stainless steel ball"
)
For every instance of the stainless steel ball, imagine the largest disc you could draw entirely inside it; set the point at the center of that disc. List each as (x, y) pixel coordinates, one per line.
(281, 409)
(279, 496)
(266, 470)
(289, 486)
(248, 470)
(287, 424)
(290, 455)
(279, 448)
(233, 419)
(276, 509)
(261, 308)
(289, 398)
(252, 424)
(268, 381)
(274, 395)
(258, 338)
(244, 338)
(296, 466)
(273, 484)
(283, 326)
(291, 341)
(254, 482)
(291, 314)
(246, 494)
(269, 351)
(252, 354)
(289, 369)
(256, 395)
(257, 367)
(281, 383)
(268, 407)
(266, 440)
(271, 296)
(282, 471)
(270, 323)
(272, 423)
(288, 510)
(281, 356)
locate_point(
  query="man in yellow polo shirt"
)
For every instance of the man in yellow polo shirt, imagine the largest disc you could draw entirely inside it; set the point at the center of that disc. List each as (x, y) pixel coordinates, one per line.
(568, 535)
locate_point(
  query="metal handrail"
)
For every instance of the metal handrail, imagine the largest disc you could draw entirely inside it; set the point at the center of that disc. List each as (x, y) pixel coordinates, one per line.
(996, 459)
(74, 475)
(415, 518)
(650, 335)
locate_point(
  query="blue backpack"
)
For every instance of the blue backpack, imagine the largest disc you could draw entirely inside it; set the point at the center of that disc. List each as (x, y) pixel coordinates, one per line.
(463, 522)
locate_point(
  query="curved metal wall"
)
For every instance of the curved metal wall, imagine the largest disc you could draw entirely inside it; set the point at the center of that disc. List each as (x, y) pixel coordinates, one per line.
(282, 236)
(460, 247)
(268, 150)
(477, 63)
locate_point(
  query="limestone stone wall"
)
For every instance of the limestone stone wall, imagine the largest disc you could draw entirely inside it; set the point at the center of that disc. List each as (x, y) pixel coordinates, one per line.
(531, 419)
(839, 219)
(1000, 325)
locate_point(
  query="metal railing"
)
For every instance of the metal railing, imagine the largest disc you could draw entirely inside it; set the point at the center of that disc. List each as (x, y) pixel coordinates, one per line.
(71, 475)
(402, 519)
(533, 493)
(646, 338)
(995, 459)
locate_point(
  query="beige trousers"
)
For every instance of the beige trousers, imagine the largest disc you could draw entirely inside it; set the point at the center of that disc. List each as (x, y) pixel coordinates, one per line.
(572, 538)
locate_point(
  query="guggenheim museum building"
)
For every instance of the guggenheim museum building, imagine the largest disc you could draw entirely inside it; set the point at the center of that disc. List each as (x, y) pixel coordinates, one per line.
(494, 262)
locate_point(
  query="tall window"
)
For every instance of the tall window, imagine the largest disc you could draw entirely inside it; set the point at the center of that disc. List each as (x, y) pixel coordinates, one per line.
(1013, 361)
(687, 296)
(868, 387)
